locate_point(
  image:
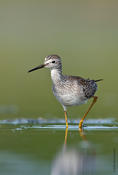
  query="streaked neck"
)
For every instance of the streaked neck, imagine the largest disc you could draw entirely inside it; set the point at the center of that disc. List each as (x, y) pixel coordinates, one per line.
(56, 75)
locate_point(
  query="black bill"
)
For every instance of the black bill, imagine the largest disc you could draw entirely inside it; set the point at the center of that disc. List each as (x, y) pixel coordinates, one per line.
(38, 67)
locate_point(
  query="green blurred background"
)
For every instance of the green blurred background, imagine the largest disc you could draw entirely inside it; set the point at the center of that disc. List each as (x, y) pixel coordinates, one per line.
(83, 33)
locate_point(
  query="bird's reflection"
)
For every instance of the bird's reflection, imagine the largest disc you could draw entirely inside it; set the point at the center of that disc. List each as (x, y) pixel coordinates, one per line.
(75, 161)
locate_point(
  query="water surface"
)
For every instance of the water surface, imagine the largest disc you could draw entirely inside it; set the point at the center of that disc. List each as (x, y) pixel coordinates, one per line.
(46, 147)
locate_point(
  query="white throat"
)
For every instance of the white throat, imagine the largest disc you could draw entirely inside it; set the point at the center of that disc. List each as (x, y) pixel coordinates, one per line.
(56, 75)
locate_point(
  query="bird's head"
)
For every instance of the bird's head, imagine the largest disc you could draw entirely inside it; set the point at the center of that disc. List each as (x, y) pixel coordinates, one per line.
(51, 61)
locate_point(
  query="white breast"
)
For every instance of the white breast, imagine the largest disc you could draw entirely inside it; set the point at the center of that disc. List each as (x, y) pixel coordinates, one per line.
(67, 93)
(68, 97)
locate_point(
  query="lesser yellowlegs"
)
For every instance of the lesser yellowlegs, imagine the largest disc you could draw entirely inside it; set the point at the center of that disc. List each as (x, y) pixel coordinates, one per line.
(69, 90)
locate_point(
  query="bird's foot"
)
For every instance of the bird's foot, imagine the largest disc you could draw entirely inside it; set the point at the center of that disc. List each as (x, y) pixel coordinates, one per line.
(66, 125)
(80, 124)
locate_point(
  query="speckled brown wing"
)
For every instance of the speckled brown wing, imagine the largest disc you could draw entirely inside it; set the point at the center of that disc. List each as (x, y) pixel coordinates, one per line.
(89, 86)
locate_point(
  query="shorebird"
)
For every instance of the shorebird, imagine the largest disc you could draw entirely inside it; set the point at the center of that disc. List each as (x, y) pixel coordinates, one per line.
(69, 90)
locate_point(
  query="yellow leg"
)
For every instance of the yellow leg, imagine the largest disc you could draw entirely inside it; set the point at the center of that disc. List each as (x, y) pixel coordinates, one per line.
(93, 102)
(66, 119)
(66, 134)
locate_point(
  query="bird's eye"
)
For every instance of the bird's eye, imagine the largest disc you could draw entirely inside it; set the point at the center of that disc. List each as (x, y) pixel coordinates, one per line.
(53, 61)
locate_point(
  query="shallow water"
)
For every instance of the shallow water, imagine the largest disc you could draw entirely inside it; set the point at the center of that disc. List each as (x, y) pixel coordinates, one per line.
(45, 147)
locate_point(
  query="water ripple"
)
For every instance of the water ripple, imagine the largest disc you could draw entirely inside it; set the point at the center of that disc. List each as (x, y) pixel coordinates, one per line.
(59, 124)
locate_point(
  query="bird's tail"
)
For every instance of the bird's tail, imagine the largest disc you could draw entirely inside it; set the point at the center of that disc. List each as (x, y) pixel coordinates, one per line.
(98, 80)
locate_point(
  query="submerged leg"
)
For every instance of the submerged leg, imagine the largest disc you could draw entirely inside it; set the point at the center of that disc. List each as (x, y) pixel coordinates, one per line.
(66, 119)
(82, 135)
(66, 134)
(93, 102)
